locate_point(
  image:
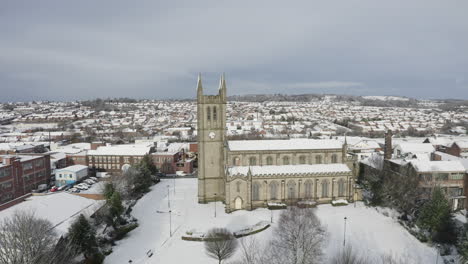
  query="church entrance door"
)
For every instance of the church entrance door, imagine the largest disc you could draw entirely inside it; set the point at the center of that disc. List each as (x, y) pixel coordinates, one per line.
(238, 203)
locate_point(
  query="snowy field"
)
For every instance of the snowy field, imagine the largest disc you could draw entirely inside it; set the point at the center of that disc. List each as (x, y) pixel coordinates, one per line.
(59, 208)
(367, 230)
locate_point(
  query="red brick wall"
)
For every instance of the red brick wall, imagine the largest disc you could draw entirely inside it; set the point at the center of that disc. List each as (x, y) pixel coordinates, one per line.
(453, 150)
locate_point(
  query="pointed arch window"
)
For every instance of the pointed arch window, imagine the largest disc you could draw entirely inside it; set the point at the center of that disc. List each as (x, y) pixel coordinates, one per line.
(256, 192)
(341, 187)
(291, 190)
(273, 190)
(208, 113)
(252, 161)
(325, 188)
(215, 114)
(334, 158)
(302, 160)
(269, 160)
(285, 160)
(318, 159)
(308, 189)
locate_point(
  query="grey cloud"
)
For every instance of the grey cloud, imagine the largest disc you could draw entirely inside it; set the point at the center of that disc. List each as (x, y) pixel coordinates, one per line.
(154, 49)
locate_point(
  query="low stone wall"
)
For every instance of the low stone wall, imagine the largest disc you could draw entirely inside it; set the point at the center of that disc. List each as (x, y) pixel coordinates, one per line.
(14, 201)
(199, 236)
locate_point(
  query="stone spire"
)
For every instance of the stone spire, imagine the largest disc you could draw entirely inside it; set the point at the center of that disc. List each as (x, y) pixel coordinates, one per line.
(199, 86)
(222, 87)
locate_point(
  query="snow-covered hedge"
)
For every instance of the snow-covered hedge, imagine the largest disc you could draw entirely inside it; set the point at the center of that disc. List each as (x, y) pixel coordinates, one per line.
(340, 202)
(193, 235)
(276, 206)
(258, 227)
(306, 204)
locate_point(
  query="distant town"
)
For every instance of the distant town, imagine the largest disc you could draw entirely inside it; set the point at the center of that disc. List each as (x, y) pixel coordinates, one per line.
(100, 159)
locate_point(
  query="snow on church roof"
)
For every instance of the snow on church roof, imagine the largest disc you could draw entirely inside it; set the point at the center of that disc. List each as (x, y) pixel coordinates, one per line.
(290, 169)
(281, 144)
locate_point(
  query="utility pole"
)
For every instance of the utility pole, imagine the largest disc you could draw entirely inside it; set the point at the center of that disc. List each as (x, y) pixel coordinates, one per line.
(168, 200)
(215, 206)
(344, 236)
(170, 223)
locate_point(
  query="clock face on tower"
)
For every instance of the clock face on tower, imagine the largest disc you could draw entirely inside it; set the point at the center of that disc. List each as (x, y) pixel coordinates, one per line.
(212, 135)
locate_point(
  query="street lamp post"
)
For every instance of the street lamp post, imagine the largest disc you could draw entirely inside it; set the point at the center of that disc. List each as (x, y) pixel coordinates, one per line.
(170, 222)
(174, 184)
(215, 205)
(437, 253)
(168, 200)
(344, 236)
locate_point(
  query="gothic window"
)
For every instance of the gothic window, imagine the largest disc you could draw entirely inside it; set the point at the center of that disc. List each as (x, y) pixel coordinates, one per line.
(269, 160)
(208, 113)
(341, 187)
(308, 189)
(318, 159)
(215, 114)
(238, 184)
(252, 161)
(324, 188)
(291, 190)
(236, 161)
(256, 192)
(334, 158)
(273, 190)
(302, 160)
(285, 160)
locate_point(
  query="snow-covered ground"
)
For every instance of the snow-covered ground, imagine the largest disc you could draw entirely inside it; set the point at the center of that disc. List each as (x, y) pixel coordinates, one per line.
(59, 208)
(368, 230)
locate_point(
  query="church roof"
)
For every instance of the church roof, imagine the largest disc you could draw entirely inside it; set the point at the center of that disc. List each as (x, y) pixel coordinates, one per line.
(281, 144)
(290, 169)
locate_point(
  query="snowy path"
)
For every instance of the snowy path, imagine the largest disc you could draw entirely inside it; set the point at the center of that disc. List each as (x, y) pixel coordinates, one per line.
(368, 231)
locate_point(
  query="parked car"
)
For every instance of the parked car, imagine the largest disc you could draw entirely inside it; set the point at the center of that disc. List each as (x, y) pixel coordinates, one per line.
(62, 188)
(42, 187)
(54, 189)
(82, 186)
(73, 190)
(89, 181)
(94, 179)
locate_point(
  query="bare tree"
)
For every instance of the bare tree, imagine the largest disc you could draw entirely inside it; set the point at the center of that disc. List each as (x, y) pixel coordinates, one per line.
(220, 244)
(251, 250)
(298, 238)
(25, 239)
(348, 256)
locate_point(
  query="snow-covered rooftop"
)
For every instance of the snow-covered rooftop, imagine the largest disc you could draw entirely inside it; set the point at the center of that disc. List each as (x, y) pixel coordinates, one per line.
(437, 166)
(290, 169)
(415, 147)
(74, 168)
(280, 144)
(127, 150)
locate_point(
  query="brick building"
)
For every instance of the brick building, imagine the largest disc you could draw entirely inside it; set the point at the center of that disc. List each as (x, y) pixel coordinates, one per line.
(20, 174)
(458, 149)
(116, 158)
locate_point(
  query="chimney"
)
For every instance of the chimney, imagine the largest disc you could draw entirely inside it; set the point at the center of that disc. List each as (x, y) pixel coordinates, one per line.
(388, 145)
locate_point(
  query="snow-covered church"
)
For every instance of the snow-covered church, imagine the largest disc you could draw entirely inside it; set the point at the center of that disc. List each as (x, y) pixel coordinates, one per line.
(246, 174)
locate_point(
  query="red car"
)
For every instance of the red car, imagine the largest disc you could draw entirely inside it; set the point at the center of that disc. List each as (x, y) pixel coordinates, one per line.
(54, 189)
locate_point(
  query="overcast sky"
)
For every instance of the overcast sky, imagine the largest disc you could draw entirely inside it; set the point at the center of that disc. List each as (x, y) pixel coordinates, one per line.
(67, 50)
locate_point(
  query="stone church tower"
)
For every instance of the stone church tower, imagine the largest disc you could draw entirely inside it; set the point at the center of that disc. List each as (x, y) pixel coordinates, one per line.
(211, 122)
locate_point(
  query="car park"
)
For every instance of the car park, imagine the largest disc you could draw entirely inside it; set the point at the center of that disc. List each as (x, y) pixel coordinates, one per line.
(73, 190)
(89, 181)
(82, 186)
